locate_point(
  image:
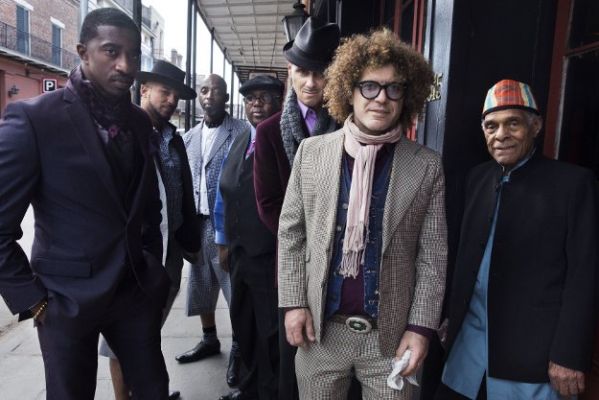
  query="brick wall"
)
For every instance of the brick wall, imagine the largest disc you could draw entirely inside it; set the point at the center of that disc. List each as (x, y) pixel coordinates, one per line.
(66, 11)
(8, 12)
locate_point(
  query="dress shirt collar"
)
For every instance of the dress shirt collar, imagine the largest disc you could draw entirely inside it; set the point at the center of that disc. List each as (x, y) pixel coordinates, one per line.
(309, 115)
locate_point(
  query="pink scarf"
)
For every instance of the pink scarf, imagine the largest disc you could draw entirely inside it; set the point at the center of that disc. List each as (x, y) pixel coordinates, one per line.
(363, 148)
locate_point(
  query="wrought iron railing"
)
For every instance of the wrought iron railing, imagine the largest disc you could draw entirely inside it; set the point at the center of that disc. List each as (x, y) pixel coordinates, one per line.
(32, 46)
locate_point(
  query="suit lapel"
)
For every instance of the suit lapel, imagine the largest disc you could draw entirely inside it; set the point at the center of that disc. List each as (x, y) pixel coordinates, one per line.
(142, 142)
(221, 135)
(407, 172)
(92, 144)
(179, 146)
(330, 159)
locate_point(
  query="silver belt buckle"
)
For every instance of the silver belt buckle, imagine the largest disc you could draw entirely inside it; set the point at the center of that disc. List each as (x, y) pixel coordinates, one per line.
(358, 324)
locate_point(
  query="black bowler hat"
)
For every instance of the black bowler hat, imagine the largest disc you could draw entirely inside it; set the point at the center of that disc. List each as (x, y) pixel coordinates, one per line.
(313, 46)
(262, 82)
(168, 74)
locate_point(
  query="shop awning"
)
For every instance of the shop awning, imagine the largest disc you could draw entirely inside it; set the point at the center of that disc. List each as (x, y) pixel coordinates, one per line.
(250, 32)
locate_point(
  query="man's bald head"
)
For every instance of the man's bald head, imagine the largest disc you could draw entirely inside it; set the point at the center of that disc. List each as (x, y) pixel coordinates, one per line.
(215, 80)
(213, 97)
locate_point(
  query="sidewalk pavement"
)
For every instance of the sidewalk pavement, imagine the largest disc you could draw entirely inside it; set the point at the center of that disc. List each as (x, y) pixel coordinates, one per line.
(22, 370)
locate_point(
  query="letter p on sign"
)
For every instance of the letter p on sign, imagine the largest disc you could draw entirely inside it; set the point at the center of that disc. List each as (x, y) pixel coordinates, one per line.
(49, 85)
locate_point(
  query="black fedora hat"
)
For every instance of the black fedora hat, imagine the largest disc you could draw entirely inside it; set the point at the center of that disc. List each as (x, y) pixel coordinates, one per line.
(262, 82)
(168, 74)
(314, 45)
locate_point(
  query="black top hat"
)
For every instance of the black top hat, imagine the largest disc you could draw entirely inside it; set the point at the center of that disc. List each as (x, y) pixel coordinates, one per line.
(168, 74)
(313, 46)
(264, 82)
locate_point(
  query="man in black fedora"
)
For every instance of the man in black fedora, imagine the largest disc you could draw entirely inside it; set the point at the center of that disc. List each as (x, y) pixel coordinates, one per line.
(161, 90)
(277, 140)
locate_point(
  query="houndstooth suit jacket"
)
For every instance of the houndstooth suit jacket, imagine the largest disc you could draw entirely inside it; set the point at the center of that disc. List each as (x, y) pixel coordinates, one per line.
(414, 248)
(226, 133)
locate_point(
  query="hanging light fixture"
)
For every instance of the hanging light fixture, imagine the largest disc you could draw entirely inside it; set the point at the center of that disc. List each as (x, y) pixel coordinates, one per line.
(294, 21)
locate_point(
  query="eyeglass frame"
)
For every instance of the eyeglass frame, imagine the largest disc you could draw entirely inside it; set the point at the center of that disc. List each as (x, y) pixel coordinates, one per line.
(403, 86)
(246, 99)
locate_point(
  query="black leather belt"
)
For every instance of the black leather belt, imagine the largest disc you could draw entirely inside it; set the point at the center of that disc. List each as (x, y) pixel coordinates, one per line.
(355, 323)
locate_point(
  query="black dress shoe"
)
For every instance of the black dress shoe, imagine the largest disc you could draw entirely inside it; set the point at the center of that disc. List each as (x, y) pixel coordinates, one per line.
(201, 351)
(237, 395)
(174, 395)
(233, 368)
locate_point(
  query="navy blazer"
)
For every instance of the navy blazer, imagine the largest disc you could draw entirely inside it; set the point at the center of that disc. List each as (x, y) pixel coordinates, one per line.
(542, 278)
(52, 157)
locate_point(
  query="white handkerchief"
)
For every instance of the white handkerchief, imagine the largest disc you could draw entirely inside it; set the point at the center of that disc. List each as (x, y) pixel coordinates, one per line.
(396, 381)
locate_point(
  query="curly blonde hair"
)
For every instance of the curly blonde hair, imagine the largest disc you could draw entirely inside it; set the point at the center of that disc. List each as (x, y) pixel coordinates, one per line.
(376, 50)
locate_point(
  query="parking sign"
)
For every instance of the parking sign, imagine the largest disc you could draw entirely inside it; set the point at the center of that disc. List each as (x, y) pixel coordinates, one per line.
(49, 85)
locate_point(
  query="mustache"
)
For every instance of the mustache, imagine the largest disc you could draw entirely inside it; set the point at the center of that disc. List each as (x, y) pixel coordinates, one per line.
(122, 77)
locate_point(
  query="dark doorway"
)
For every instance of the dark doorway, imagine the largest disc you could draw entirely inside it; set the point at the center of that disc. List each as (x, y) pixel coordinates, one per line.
(579, 142)
(573, 120)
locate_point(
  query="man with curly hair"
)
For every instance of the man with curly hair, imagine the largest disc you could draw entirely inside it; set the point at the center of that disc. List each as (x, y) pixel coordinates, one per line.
(362, 232)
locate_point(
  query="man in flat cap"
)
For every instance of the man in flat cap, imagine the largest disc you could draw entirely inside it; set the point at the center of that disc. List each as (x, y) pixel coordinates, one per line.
(248, 249)
(521, 312)
(278, 138)
(161, 90)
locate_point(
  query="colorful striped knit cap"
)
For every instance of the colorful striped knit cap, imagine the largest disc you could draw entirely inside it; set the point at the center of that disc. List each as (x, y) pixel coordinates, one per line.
(510, 94)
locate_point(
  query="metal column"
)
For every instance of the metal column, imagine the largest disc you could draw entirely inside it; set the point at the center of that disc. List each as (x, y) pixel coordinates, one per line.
(83, 9)
(232, 92)
(211, 50)
(137, 20)
(194, 49)
(188, 78)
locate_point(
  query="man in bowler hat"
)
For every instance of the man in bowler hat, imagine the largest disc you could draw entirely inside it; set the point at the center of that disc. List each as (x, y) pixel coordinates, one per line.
(248, 249)
(161, 90)
(278, 138)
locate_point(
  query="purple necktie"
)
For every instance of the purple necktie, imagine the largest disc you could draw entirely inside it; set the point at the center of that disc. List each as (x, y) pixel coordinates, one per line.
(250, 149)
(310, 120)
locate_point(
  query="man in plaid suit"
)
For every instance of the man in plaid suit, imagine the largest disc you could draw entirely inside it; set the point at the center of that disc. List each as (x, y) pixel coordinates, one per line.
(362, 232)
(207, 145)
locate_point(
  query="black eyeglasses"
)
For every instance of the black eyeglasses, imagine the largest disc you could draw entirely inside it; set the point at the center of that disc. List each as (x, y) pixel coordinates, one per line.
(371, 89)
(265, 98)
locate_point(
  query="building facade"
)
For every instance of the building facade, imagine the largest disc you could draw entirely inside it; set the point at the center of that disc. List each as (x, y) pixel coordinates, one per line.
(553, 45)
(37, 46)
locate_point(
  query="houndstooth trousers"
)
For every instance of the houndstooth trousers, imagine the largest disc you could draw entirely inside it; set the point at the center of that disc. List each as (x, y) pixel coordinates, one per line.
(206, 278)
(324, 370)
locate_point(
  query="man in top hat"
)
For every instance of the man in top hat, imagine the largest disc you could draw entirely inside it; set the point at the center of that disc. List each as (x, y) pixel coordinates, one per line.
(248, 249)
(161, 90)
(521, 312)
(81, 157)
(278, 138)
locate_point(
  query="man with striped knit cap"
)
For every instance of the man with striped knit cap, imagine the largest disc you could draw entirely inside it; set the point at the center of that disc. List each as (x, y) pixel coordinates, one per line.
(521, 312)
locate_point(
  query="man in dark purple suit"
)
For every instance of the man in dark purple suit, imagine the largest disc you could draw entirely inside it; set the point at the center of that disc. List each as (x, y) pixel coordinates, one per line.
(80, 157)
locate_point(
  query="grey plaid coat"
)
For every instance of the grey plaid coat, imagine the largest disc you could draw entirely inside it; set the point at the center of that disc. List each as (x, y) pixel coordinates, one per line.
(414, 250)
(226, 133)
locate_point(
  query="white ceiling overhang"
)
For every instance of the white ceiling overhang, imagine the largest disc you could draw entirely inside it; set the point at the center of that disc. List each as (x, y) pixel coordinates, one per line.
(251, 31)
